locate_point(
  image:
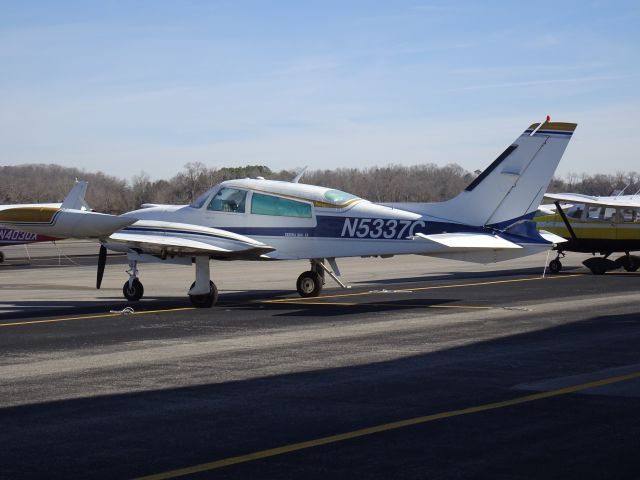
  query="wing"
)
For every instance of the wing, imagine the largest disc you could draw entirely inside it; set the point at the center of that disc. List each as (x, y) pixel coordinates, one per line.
(596, 201)
(181, 239)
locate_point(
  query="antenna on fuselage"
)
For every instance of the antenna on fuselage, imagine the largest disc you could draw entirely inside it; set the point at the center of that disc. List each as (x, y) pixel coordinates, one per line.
(297, 178)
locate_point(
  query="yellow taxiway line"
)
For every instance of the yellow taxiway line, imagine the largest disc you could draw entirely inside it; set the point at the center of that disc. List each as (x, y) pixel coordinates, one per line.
(385, 427)
(89, 317)
(353, 304)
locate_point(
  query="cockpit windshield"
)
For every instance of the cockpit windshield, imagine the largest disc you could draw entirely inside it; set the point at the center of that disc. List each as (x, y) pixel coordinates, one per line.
(199, 202)
(338, 197)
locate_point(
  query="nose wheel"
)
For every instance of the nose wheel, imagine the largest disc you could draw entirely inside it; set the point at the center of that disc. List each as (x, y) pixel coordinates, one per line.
(133, 291)
(132, 288)
(555, 265)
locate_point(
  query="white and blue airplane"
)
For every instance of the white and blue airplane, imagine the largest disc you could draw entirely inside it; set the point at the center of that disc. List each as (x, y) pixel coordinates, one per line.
(258, 219)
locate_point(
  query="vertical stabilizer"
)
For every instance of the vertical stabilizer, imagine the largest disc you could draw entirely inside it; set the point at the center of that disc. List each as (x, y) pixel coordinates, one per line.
(513, 185)
(75, 198)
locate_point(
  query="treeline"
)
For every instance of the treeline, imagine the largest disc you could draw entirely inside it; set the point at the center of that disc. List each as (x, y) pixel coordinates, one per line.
(393, 183)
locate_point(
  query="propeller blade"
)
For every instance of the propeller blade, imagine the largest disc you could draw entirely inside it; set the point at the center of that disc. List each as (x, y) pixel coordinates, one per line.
(102, 261)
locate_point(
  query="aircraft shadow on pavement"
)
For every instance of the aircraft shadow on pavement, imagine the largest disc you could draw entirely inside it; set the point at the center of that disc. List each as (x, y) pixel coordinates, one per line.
(300, 308)
(276, 303)
(57, 308)
(129, 434)
(432, 276)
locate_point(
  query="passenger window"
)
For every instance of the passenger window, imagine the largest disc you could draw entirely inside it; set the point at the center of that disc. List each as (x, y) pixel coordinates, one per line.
(609, 214)
(277, 206)
(228, 200)
(594, 213)
(630, 215)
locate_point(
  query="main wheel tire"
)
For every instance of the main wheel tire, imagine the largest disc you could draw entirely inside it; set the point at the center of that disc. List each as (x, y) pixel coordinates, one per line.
(309, 284)
(134, 292)
(597, 270)
(555, 266)
(208, 299)
(1, 257)
(631, 264)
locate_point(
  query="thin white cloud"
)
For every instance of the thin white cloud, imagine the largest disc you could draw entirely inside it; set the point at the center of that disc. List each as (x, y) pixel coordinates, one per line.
(531, 83)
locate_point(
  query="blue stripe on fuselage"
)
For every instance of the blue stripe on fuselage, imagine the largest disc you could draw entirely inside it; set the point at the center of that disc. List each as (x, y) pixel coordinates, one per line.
(329, 226)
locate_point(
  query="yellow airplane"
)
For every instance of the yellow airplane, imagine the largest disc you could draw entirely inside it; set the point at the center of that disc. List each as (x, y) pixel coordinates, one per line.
(597, 225)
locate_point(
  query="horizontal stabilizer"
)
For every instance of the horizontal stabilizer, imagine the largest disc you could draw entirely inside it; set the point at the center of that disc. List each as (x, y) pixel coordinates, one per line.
(468, 240)
(551, 237)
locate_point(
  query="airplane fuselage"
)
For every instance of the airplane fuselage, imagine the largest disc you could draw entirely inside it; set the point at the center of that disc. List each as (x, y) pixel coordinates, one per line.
(309, 225)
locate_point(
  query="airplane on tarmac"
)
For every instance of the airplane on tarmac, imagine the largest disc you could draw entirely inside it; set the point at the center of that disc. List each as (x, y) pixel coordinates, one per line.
(258, 219)
(595, 224)
(45, 222)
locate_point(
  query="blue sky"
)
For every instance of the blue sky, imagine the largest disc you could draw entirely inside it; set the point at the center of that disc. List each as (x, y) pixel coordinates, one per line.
(124, 87)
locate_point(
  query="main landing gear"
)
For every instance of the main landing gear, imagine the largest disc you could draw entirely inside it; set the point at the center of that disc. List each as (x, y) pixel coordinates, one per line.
(310, 283)
(630, 263)
(202, 293)
(601, 265)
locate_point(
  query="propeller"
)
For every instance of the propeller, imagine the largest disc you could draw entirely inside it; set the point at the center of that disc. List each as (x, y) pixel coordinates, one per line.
(102, 261)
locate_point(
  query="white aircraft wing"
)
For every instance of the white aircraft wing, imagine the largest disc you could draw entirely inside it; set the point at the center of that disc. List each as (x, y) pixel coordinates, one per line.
(157, 243)
(468, 240)
(574, 198)
(180, 239)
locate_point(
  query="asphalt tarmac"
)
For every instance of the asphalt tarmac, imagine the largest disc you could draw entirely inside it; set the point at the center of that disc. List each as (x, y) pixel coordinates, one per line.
(425, 368)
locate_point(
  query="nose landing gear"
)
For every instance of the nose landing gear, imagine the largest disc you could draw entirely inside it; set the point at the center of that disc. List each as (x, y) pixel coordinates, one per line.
(132, 288)
(555, 265)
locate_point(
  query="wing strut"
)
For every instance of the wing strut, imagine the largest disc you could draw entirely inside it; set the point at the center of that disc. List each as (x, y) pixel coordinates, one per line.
(566, 221)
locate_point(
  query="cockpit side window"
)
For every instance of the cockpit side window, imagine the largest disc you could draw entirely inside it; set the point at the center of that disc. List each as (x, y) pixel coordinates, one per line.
(575, 211)
(228, 200)
(277, 206)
